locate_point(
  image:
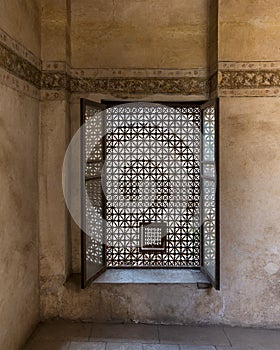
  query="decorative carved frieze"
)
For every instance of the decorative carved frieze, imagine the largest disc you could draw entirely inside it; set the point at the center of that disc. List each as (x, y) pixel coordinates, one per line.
(19, 66)
(55, 81)
(189, 86)
(138, 73)
(249, 79)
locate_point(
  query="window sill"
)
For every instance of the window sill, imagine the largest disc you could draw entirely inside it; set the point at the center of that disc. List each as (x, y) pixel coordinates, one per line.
(153, 276)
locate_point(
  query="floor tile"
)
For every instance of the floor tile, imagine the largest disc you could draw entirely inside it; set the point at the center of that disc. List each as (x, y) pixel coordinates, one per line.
(87, 346)
(234, 347)
(193, 335)
(197, 347)
(124, 333)
(47, 345)
(63, 330)
(66, 335)
(259, 339)
(124, 346)
(160, 347)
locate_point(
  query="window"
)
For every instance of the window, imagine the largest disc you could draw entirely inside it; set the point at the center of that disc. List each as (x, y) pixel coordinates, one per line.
(149, 173)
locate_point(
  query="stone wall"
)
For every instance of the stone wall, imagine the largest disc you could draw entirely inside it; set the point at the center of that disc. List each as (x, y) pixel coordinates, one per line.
(55, 242)
(249, 30)
(146, 67)
(115, 57)
(139, 34)
(19, 116)
(106, 52)
(249, 137)
(248, 86)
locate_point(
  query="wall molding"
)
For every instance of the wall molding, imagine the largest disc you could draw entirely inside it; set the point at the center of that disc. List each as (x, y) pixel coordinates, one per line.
(188, 86)
(53, 95)
(138, 73)
(252, 82)
(140, 81)
(20, 67)
(256, 78)
(55, 81)
(248, 65)
(18, 84)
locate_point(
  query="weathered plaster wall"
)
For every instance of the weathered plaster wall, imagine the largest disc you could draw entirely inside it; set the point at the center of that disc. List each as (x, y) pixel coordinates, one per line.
(54, 261)
(250, 263)
(139, 34)
(250, 260)
(19, 117)
(212, 47)
(249, 30)
(55, 30)
(21, 20)
(249, 138)
(55, 243)
(19, 292)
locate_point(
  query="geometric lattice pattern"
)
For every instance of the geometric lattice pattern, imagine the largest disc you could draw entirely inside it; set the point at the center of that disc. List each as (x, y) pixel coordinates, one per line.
(209, 190)
(153, 176)
(153, 237)
(94, 201)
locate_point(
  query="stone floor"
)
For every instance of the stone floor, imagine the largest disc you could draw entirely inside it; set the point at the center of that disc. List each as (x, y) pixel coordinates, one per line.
(63, 335)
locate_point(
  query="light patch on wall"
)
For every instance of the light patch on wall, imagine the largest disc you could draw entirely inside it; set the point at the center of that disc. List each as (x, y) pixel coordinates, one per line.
(271, 268)
(259, 22)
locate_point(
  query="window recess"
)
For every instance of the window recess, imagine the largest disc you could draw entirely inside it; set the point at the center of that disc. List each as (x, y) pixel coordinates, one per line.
(149, 177)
